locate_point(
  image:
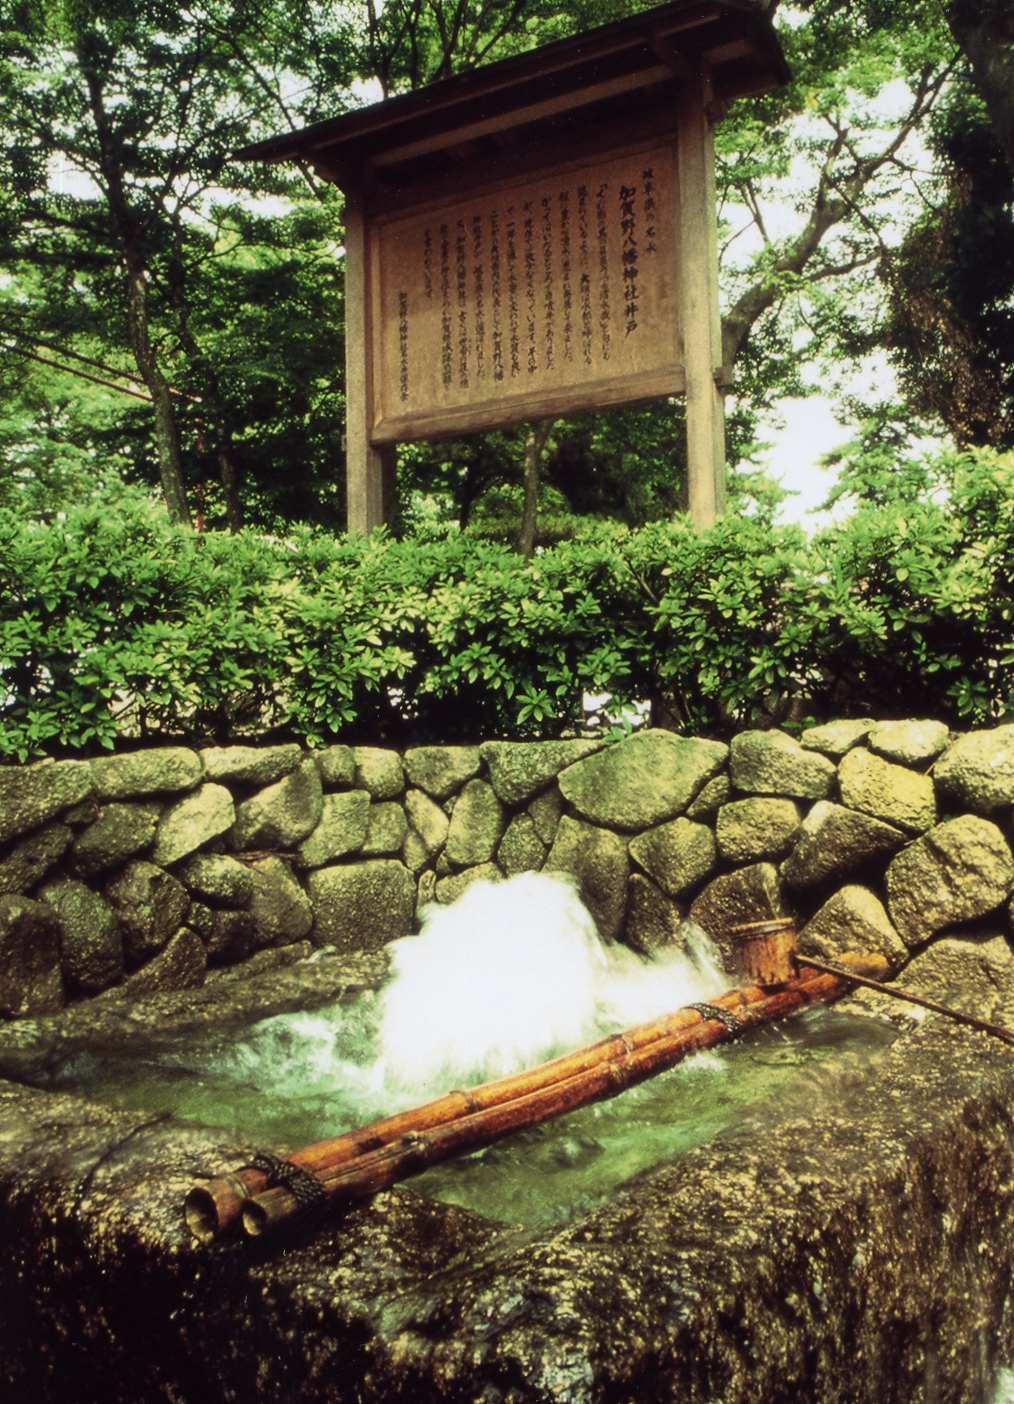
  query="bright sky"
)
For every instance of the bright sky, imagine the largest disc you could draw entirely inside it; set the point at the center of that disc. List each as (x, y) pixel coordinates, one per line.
(810, 431)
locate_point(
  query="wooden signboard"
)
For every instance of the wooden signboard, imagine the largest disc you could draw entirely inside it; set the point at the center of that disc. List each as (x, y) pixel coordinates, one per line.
(540, 297)
(538, 237)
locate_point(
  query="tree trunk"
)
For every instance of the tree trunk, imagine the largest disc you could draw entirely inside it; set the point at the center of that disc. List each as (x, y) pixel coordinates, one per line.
(535, 442)
(230, 485)
(167, 434)
(127, 233)
(984, 31)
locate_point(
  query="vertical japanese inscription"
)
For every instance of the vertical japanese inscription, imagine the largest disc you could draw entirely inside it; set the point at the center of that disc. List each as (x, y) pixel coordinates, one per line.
(446, 355)
(565, 287)
(403, 344)
(495, 294)
(628, 231)
(548, 280)
(461, 271)
(512, 291)
(605, 312)
(528, 289)
(478, 296)
(529, 231)
(586, 292)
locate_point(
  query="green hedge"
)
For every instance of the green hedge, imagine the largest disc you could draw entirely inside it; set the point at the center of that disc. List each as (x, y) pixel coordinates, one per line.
(113, 624)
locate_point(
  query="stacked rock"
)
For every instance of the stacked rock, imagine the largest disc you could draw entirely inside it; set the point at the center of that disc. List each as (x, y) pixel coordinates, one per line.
(138, 872)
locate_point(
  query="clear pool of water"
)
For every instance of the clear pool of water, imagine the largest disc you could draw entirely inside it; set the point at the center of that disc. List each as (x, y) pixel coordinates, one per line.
(292, 1080)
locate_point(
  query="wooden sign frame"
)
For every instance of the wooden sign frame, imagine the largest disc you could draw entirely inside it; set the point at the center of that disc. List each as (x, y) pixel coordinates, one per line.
(456, 156)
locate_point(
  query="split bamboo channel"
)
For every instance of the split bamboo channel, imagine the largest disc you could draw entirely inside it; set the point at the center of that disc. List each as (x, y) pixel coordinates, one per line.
(364, 1161)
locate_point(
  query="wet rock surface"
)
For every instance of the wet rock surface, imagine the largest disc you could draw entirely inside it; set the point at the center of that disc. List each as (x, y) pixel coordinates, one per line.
(854, 1243)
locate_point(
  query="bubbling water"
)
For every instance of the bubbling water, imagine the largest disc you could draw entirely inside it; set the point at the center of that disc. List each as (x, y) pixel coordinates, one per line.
(514, 973)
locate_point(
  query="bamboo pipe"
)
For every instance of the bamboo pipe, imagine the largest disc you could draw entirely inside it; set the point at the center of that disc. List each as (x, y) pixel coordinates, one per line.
(213, 1207)
(416, 1151)
(896, 992)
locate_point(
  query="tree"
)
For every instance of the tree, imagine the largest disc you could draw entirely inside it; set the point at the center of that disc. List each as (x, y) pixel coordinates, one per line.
(984, 30)
(950, 329)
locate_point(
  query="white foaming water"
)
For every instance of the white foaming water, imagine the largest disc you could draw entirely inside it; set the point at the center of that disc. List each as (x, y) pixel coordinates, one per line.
(512, 974)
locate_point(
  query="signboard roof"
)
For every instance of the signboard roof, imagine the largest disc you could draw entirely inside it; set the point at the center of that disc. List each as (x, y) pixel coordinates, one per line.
(598, 73)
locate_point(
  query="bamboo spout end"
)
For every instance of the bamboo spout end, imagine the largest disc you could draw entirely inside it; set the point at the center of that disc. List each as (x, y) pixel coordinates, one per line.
(213, 1207)
(201, 1213)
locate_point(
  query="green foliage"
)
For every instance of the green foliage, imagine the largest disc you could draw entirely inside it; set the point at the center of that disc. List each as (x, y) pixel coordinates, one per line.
(114, 624)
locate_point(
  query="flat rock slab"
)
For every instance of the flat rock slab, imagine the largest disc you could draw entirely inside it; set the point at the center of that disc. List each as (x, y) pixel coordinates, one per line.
(763, 1266)
(271, 982)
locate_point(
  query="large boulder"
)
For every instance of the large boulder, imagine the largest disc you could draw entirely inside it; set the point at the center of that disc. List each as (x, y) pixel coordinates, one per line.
(280, 909)
(196, 819)
(386, 829)
(31, 794)
(977, 772)
(653, 919)
(748, 830)
(908, 742)
(651, 776)
(519, 769)
(772, 763)
(959, 870)
(362, 906)
(476, 826)
(281, 815)
(91, 946)
(521, 850)
(836, 843)
(30, 982)
(598, 859)
(218, 879)
(119, 831)
(837, 737)
(29, 861)
(427, 820)
(162, 771)
(677, 855)
(735, 899)
(250, 765)
(441, 770)
(890, 792)
(379, 771)
(150, 904)
(853, 919)
(340, 830)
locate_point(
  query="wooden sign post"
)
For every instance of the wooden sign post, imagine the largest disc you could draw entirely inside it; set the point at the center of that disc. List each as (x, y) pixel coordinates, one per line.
(539, 238)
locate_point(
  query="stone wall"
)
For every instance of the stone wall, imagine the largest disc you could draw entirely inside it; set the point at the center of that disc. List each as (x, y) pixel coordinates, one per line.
(138, 872)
